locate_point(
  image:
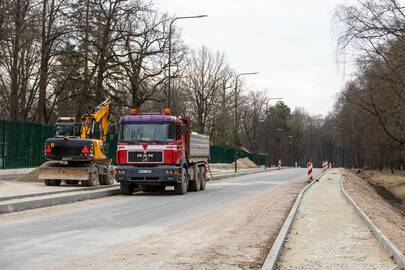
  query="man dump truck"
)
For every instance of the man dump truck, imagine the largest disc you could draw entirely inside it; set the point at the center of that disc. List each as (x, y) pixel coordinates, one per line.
(77, 152)
(158, 150)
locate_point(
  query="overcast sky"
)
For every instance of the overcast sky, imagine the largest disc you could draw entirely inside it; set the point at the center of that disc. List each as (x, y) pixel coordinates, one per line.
(289, 42)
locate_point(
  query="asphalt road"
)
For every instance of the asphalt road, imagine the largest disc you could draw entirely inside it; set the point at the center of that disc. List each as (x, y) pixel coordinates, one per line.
(41, 242)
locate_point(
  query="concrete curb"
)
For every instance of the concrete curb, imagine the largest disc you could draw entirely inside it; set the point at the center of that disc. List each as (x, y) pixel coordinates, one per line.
(39, 203)
(11, 172)
(230, 175)
(272, 258)
(383, 240)
(17, 197)
(45, 202)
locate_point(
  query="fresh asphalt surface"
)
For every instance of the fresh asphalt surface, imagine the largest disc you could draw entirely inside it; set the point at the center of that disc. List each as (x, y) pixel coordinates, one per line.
(41, 242)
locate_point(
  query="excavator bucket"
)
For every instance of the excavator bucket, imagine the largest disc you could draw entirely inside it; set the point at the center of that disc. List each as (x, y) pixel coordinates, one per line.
(64, 173)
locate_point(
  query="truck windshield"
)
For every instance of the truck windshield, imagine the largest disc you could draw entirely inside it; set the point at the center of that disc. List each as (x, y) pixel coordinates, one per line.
(147, 132)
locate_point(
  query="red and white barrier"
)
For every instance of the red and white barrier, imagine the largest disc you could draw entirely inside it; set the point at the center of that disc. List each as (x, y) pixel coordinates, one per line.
(310, 173)
(325, 166)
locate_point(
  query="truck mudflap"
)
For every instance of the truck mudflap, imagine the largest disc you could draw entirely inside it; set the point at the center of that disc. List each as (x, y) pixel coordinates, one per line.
(64, 173)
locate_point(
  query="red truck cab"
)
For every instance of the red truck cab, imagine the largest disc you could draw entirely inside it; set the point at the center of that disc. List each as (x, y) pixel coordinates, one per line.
(154, 152)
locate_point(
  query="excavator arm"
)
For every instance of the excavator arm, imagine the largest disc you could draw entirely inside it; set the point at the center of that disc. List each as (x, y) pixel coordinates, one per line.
(98, 117)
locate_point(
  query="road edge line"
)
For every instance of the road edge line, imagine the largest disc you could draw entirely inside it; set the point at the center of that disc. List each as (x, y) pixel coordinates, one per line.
(272, 258)
(383, 240)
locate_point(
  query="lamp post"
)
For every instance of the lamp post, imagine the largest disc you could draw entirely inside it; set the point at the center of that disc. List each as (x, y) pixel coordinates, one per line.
(236, 114)
(170, 52)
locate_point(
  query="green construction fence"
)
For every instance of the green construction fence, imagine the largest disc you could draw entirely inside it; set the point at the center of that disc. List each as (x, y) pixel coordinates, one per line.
(21, 146)
(221, 154)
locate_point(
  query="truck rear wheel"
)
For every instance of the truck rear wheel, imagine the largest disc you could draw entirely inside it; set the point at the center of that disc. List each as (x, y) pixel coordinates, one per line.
(181, 188)
(203, 175)
(126, 188)
(196, 184)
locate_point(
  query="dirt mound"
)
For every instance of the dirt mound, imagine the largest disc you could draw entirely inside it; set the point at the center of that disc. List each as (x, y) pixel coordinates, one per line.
(245, 163)
(30, 177)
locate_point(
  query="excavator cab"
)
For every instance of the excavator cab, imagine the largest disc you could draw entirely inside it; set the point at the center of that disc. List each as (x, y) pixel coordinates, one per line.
(66, 126)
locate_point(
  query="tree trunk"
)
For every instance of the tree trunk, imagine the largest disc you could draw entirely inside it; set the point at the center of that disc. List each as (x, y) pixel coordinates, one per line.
(43, 77)
(15, 63)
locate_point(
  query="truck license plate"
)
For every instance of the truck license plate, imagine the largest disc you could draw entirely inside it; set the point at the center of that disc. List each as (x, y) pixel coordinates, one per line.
(145, 171)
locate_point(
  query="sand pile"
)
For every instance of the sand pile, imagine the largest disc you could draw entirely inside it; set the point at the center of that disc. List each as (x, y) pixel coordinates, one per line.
(246, 163)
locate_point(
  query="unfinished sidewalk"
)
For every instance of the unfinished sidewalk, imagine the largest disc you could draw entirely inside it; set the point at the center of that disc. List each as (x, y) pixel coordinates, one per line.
(328, 233)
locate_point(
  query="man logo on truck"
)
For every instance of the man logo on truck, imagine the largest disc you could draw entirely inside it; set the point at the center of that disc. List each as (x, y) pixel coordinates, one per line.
(145, 156)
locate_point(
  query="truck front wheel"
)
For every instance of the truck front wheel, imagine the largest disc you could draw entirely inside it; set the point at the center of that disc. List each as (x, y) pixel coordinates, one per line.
(181, 188)
(126, 188)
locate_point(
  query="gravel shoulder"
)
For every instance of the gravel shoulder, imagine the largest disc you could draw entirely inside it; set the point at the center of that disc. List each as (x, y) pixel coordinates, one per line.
(387, 216)
(237, 236)
(328, 233)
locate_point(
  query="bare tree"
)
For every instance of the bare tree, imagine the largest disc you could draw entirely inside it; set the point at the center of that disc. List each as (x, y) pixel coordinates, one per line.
(203, 80)
(19, 58)
(54, 27)
(143, 55)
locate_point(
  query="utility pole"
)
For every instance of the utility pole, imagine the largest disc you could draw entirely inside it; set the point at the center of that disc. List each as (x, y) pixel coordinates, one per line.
(169, 105)
(236, 117)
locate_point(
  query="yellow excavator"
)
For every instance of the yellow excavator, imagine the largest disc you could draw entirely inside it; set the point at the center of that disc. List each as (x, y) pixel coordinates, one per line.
(77, 152)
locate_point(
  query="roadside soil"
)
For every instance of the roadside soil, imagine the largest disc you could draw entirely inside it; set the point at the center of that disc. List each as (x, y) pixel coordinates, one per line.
(328, 234)
(388, 217)
(394, 184)
(238, 236)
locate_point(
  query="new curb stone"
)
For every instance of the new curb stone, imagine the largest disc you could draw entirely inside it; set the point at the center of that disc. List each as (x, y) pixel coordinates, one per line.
(272, 258)
(386, 244)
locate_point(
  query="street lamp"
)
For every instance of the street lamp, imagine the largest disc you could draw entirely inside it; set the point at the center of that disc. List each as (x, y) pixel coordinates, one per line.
(236, 113)
(170, 51)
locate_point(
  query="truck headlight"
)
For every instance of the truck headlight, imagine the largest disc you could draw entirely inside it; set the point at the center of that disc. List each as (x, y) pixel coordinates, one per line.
(173, 172)
(120, 171)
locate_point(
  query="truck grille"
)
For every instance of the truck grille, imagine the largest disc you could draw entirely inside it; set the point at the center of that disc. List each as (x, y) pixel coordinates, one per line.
(148, 157)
